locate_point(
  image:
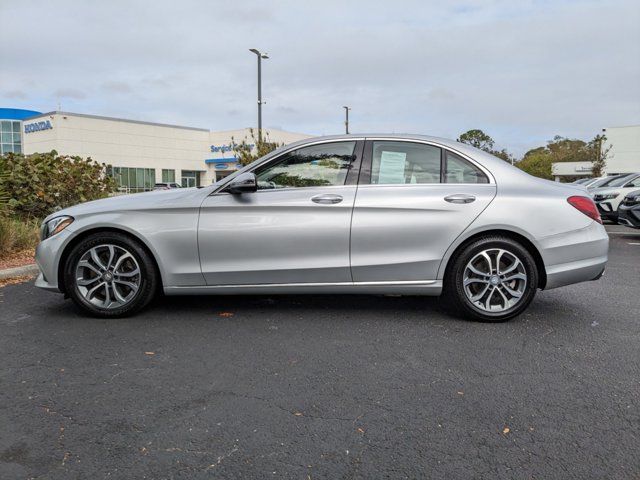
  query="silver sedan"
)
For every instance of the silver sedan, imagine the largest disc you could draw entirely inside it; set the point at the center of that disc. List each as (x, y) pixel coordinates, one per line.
(374, 214)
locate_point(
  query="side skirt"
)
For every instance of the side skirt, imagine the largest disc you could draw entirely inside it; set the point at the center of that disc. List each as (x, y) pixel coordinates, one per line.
(413, 287)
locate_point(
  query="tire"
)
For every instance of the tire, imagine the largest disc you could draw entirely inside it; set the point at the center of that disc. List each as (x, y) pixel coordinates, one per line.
(508, 289)
(110, 275)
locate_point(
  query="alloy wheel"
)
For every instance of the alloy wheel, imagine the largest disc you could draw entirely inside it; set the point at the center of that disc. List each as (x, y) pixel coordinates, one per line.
(494, 280)
(108, 276)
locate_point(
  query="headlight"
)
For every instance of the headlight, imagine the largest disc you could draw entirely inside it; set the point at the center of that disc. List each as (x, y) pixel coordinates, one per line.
(54, 226)
(605, 196)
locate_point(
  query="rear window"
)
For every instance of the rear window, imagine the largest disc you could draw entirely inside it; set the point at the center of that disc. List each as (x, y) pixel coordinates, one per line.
(459, 170)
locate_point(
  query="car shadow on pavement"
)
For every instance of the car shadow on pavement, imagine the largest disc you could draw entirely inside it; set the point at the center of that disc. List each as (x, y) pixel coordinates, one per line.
(300, 304)
(545, 309)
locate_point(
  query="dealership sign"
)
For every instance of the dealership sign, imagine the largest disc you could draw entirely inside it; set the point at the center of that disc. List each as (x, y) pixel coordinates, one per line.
(228, 148)
(38, 126)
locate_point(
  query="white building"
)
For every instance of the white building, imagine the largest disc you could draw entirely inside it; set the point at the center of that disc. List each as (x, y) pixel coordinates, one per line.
(624, 153)
(142, 153)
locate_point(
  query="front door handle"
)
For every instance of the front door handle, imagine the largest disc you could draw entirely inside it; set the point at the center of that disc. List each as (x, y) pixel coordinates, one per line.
(459, 198)
(326, 199)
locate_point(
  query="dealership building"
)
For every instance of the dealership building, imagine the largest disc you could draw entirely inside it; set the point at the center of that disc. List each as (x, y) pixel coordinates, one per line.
(139, 154)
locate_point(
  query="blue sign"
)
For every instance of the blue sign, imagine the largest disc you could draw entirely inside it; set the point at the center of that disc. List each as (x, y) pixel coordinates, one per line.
(221, 166)
(38, 126)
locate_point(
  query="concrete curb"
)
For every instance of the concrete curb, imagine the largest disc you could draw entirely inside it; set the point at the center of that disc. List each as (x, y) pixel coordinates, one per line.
(19, 271)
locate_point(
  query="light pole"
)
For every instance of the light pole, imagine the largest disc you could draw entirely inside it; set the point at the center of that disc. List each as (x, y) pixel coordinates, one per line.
(260, 56)
(346, 119)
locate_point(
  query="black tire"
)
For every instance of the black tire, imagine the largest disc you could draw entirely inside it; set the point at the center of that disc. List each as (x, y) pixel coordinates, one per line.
(454, 290)
(148, 279)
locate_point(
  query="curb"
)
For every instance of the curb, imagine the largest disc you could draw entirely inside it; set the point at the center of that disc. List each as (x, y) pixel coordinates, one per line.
(18, 271)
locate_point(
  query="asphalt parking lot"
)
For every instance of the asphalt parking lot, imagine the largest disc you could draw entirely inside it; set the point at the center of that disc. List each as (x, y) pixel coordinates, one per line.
(325, 387)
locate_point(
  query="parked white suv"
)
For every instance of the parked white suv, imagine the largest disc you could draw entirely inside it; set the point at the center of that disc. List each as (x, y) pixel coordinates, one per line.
(608, 199)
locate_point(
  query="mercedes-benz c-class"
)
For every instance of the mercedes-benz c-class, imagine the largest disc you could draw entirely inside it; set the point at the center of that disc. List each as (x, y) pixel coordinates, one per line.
(363, 214)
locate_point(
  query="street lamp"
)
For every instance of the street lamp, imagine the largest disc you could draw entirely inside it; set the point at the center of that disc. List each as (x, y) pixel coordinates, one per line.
(260, 56)
(346, 119)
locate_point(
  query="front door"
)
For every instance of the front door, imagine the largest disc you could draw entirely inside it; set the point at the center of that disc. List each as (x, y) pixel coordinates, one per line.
(294, 229)
(413, 201)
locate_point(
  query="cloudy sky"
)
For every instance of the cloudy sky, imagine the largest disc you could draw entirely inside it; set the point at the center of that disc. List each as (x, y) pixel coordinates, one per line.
(523, 71)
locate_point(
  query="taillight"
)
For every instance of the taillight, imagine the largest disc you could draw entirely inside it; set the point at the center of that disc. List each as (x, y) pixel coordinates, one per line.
(586, 206)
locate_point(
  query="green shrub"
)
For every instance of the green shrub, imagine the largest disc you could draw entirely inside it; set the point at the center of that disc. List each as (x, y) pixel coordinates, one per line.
(17, 235)
(41, 183)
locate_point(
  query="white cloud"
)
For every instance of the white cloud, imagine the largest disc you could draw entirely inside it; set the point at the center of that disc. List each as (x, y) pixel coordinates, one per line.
(522, 71)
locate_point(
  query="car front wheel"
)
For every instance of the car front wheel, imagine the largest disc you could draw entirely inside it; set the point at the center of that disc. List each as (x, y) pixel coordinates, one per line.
(110, 275)
(492, 279)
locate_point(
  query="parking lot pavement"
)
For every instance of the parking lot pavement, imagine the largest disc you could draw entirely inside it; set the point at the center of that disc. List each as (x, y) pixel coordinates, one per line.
(325, 386)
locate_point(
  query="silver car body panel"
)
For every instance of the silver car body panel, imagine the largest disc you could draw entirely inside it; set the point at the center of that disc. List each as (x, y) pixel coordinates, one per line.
(378, 239)
(276, 236)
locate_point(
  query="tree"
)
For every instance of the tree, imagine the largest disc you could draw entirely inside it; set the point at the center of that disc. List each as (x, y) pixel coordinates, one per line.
(598, 155)
(479, 139)
(248, 152)
(537, 162)
(564, 149)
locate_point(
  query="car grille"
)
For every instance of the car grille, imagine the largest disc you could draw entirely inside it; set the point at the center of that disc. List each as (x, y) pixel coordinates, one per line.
(598, 198)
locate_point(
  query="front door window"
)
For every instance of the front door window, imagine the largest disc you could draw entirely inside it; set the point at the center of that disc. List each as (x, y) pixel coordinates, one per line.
(321, 165)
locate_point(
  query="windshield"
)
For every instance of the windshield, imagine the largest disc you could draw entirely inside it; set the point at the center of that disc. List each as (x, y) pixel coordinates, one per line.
(618, 181)
(603, 181)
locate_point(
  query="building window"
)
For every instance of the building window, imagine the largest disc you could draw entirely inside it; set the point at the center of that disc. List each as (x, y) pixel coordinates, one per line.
(190, 178)
(168, 176)
(10, 137)
(133, 180)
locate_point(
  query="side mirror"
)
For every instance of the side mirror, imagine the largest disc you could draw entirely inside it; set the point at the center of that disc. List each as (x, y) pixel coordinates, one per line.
(243, 183)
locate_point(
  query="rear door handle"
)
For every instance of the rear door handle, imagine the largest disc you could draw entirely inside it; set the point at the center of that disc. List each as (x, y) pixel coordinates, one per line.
(327, 199)
(459, 198)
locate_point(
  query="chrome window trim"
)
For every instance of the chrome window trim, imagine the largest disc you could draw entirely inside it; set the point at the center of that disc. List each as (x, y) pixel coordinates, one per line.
(423, 185)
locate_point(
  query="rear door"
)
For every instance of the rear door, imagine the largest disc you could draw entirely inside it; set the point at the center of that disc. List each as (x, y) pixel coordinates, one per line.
(294, 229)
(414, 199)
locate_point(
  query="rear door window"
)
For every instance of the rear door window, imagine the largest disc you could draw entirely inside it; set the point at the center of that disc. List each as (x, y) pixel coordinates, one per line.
(404, 163)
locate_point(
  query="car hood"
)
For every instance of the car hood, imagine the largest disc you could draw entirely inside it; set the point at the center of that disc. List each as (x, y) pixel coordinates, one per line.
(593, 191)
(157, 199)
(634, 193)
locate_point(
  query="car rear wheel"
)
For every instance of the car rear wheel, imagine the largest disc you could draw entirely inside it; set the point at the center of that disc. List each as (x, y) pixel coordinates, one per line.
(110, 275)
(492, 279)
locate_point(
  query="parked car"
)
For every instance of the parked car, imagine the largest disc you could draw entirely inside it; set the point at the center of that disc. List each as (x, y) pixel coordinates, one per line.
(582, 181)
(603, 182)
(629, 210)
(608, 199)
(374, 214)
(166, 185)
